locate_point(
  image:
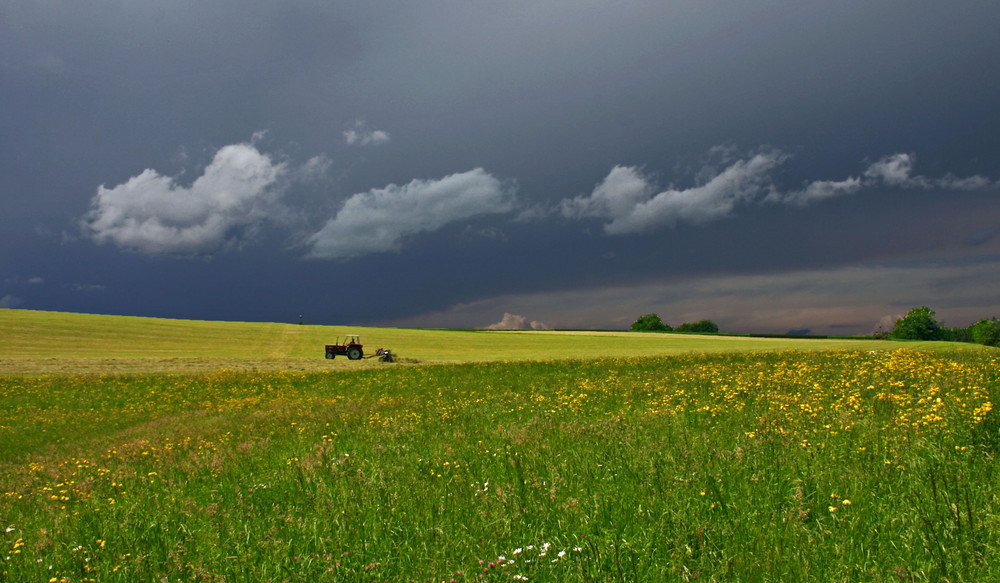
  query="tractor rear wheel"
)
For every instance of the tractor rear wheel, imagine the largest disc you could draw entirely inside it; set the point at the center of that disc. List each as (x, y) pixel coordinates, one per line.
(354, 353)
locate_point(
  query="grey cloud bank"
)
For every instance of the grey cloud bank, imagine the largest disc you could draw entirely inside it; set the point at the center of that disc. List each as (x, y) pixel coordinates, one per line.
(851, 300)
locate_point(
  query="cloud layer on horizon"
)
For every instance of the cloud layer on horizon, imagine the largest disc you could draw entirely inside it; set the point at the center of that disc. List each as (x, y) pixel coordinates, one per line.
(516, 322)
(242, 188)
(843, 300)
(632, 203)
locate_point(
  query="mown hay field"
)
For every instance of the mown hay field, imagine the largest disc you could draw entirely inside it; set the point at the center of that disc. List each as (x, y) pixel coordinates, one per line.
(850, 464)
(55, 342)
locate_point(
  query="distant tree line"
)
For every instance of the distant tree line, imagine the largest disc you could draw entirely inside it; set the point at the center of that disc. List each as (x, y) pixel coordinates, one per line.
(920, 324)
(653, 323)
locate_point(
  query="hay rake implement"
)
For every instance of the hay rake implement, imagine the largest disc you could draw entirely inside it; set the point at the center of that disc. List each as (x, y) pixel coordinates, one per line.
(354, 350)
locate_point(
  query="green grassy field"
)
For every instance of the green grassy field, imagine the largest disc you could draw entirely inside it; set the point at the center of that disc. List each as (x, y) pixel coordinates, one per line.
(38, 342)
(705, 461)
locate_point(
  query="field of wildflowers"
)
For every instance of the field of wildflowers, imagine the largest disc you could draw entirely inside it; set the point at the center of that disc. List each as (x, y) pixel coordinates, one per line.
(811, 466)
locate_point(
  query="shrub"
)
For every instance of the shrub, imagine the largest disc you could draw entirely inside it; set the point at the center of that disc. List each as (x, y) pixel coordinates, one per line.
(957, 334)
(703, 326)
(650, 323)
(918, 324)
(986, 332)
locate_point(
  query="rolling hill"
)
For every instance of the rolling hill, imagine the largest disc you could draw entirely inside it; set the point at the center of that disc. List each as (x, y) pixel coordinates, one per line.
(51, 342)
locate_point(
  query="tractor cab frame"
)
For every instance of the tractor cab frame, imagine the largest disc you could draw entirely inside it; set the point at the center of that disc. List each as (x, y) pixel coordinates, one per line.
(351, 348)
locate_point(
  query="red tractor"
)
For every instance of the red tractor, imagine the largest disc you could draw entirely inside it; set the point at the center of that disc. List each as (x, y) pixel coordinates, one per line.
(351, 348)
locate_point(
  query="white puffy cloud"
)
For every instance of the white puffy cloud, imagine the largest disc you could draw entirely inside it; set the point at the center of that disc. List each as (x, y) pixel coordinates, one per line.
(818, 190)
(516, 322)
(897, 170)
(632, 204)
(893, 171)
(379, 220)
(314, 169)
(621, 191)
(19, 280)
(151, 213)
(360, 135)
(86, 287)
(970, 183)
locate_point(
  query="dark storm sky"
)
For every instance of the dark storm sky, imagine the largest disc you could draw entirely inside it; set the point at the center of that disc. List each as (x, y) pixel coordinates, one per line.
(767, 165)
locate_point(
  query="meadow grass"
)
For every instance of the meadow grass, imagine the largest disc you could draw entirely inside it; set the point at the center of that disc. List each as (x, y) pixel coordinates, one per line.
(35, 342)
(867, 465)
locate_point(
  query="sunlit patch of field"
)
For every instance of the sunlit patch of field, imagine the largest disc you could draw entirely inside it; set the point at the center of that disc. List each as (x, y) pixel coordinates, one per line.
(856, 465)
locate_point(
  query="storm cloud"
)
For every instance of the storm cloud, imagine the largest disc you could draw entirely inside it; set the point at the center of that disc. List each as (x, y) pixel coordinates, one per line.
(438, 155)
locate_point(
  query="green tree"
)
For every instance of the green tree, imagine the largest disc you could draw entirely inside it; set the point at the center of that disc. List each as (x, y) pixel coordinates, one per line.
(650, 323)
(986, 332)
(918, 324)
(957, 334)
(701, 326)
